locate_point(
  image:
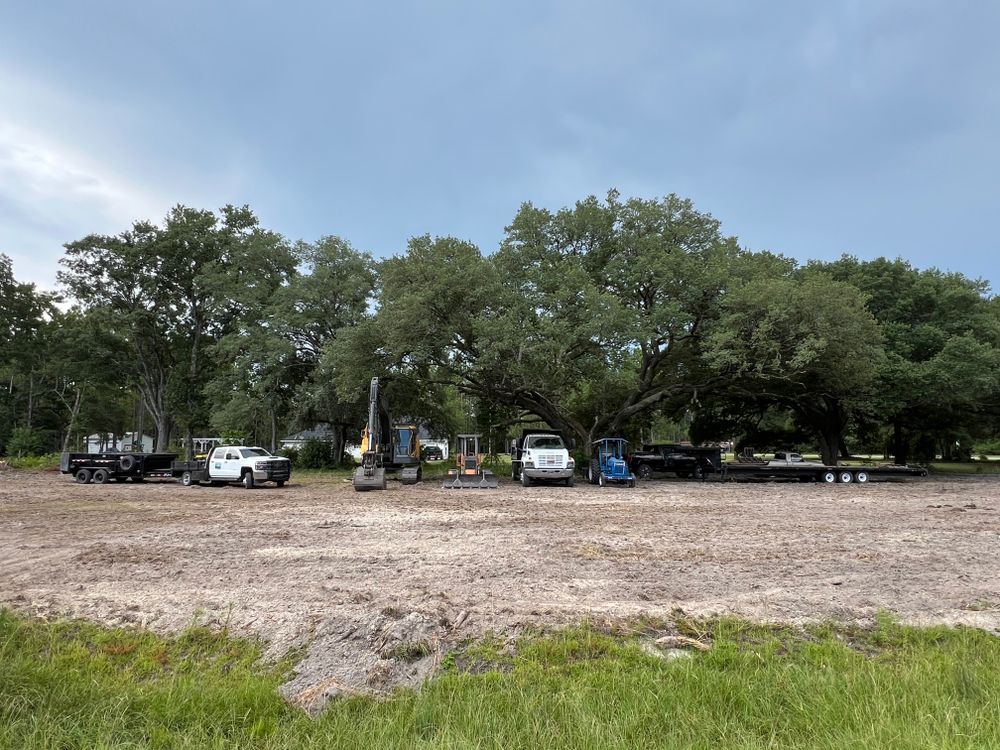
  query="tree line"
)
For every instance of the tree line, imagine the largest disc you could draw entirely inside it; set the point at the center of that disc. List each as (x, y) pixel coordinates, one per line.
(603, 318)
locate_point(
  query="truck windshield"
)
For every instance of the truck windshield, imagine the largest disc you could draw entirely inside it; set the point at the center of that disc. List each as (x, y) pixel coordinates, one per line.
(544, 442)
(251, 452)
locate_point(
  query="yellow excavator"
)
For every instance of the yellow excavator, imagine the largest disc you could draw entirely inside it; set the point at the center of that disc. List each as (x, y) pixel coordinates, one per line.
(386, 448)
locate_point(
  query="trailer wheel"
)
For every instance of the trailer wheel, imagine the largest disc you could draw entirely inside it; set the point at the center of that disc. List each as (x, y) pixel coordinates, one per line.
(248, 480)
(645, 471)
(187, 480)
(126, 463)
(525, 480)
(861, 477)
(846, 477)
(829, 477)
(100, 476)
(82, 476)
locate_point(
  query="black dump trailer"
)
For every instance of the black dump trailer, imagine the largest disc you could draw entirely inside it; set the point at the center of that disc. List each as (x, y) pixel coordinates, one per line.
(116, 466)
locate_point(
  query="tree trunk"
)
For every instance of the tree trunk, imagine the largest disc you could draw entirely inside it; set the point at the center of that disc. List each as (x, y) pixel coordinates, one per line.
(162, 431)
(31, 398)
(899, 444)
(189, 443)
(274, 430)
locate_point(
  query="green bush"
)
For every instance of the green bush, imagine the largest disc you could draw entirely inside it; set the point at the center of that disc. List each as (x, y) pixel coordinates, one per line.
(316, 454)
(27, 442)
(292, 454)
(46, 461)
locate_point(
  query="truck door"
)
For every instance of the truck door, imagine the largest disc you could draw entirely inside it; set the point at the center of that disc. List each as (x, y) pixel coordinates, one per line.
(225, 464)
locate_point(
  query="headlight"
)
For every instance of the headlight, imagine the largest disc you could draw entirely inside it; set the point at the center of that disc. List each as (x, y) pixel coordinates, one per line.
(260, 466)
(571, 463)
(529, 464)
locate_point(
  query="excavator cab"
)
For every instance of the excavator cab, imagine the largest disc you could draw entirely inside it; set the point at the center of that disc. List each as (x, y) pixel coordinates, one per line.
(469, 472)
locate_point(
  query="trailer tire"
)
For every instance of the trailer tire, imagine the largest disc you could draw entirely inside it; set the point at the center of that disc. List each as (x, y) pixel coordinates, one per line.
(645, 471)
(187, 480)
(247, 480)
(126, 463)
(828, 477)
(861, 477)
(100, 476)
(846, 477)
(82, 476)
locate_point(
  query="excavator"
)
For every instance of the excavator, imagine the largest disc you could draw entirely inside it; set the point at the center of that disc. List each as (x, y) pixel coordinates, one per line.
(386, 448)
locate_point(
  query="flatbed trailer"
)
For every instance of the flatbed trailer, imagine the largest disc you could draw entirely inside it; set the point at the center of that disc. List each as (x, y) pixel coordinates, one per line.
(117, 466)
(808, 472)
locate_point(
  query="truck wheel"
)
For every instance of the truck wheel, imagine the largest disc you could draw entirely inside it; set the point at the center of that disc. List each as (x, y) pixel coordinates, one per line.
(846, 477)
(570, 480)
(525, 480)
(861, 477)
(698, 473)
(645, 471)
(100, 476)
(82, 476)
(829, 477)
(248, 480)
(187, 480)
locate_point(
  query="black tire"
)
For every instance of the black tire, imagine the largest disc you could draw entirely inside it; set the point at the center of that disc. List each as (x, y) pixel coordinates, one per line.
(525, 480)
(247, 480)
(570, 480)
(100, 476)
(601, 481)
(845, 477)
(645, 471)
(631, 483)
(861, 477)
(593, 471)
(828, 477)
(280, 482)
(698, 474)
(82, 476)
(126, 463)
(187, 480)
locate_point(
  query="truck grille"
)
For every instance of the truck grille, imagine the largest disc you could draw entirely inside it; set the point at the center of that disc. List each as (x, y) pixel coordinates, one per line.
(279, 469)
(550, 462)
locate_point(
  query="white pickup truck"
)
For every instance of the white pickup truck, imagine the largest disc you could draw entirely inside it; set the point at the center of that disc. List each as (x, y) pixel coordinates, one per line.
(539, 455)
(234, 463)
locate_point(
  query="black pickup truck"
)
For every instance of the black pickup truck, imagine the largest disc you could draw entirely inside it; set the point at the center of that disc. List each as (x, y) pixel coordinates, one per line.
(685, 461)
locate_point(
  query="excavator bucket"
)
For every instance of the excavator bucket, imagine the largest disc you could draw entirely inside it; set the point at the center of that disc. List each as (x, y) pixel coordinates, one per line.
(369, 479)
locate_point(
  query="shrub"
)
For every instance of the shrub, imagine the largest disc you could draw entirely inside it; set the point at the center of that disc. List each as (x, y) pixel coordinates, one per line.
(292, 454)
(316, 454)
(27, 442)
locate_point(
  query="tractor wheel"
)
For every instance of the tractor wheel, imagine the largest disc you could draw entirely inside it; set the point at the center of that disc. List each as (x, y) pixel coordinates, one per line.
(100, 476)
(248, 480)
(645, 471)
(82, 476)
(593, 471)
(525, 480)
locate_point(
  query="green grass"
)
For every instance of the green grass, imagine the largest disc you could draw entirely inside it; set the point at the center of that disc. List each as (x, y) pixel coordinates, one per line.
(966, 467)
(75, 685)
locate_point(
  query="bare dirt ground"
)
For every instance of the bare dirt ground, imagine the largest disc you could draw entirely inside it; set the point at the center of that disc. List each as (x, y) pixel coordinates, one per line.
(378, 584)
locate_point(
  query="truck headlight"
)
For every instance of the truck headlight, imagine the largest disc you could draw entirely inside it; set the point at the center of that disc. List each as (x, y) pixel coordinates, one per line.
(529, 464)
(260, 466)
(571, 463)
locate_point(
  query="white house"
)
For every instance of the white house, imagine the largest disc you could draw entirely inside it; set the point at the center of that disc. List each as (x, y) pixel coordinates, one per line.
(126, 443)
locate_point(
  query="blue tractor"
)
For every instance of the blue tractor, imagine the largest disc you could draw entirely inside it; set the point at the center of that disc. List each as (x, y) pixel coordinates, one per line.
(608, 463)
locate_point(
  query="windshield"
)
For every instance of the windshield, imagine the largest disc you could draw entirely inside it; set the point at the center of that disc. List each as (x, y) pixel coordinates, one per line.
(251, 452)
(540, 442)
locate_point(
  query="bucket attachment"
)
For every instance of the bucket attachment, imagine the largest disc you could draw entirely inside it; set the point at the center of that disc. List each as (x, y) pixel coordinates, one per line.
(484, 480)
(369, 479)
(409, 475)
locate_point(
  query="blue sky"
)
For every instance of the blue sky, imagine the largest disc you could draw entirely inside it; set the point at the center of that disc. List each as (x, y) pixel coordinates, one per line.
(809, 129)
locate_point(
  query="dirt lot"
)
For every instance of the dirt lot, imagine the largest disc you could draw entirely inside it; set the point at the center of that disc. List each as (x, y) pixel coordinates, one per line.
(378, 584)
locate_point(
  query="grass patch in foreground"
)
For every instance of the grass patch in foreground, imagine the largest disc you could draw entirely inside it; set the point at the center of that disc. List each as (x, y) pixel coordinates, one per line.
(75, 685)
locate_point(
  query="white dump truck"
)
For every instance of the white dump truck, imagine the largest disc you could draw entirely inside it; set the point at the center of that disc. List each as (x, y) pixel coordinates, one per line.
(541, 455)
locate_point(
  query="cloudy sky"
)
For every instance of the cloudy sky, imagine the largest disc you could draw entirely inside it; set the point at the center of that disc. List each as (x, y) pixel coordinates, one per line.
(810, 129)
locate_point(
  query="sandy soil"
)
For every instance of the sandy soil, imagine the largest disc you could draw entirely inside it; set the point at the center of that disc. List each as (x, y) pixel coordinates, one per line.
(379, 584)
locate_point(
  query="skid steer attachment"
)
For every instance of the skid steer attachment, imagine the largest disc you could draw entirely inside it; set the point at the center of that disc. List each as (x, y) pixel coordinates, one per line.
(469, 473)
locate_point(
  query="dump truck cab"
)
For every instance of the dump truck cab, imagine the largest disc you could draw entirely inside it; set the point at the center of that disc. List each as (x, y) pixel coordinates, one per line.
(541, 455)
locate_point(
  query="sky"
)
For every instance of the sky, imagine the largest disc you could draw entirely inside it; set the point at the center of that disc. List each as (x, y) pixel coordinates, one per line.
(808, 129)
